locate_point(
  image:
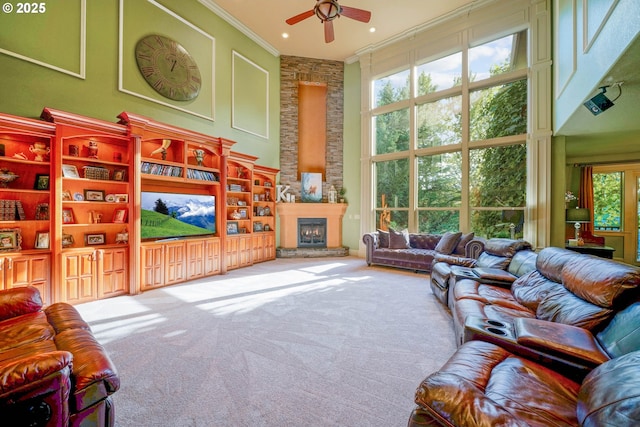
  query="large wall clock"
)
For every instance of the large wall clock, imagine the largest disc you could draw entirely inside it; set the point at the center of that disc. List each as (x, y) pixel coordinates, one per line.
(168, 68)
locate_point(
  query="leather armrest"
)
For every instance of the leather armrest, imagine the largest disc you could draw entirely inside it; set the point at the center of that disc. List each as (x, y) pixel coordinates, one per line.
(30, 369)
(454, 260)
(559, 339)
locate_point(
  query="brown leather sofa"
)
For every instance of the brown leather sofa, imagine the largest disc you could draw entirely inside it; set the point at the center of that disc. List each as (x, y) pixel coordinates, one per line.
(420, 249)
(489, 384)
(53, 372)
(566, 287)
(513, 256)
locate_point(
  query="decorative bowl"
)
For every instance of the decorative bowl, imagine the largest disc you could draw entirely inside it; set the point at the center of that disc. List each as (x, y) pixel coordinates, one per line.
(7, 178)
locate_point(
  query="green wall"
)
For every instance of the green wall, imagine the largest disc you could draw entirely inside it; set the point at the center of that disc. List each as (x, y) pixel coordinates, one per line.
(351, 233)
(27, 88)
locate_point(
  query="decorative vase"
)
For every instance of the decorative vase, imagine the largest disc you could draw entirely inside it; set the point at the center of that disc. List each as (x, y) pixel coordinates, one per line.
(199, 154)
(40, 150)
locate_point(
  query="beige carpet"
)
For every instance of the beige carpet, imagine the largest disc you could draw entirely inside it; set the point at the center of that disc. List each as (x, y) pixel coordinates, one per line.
(290, 342)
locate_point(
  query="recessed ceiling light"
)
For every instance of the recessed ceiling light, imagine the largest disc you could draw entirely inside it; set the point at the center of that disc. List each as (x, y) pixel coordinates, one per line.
(372, 29)
(285, 35)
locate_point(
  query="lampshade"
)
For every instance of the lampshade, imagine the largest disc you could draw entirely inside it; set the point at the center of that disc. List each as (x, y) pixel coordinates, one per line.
(578, 215)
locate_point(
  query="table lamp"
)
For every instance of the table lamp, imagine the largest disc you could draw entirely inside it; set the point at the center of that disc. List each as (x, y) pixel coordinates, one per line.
(578, 216)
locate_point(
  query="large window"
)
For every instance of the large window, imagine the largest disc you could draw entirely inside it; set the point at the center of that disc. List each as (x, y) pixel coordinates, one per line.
(449, 144)
(607, 201)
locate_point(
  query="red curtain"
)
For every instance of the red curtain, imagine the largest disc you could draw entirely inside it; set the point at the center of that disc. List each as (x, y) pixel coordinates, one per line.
(586, 196)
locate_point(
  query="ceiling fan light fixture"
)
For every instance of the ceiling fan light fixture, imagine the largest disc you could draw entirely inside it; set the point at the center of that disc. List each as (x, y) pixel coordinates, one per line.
(327, 10)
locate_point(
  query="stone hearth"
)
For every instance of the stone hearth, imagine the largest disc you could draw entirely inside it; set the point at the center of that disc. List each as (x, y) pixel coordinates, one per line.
(289, 214)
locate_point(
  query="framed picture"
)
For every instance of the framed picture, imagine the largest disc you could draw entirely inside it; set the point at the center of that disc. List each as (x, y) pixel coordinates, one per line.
(120, 216)
(94, 239)
(70, 171)
(311, 187)
(119, 174)
(121, 198)
(10, 239)
(257, 226)
(66, 196)
(42, 182)
(67, 216)
(42, 240)
(42, 211)
(243, 213)
(94, 195)
(67, 240)
(232, 227)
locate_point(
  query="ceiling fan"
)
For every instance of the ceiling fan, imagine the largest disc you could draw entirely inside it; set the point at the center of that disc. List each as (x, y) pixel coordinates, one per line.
(327, 11)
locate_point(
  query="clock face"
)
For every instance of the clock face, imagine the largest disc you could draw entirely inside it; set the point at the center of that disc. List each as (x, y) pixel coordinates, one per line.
(168, 68)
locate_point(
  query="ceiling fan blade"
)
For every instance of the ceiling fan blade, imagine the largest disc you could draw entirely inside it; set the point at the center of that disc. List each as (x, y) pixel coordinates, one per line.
(357, 14)
(328, 31)
(300, 17)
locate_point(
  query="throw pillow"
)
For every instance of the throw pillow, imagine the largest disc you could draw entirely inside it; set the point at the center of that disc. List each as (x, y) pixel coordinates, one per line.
(398, 239)
(462, 243)
(383, 239)
(448, 242)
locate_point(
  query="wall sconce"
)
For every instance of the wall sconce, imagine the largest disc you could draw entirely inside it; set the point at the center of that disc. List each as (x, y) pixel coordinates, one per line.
(578, 216)
(600, 103)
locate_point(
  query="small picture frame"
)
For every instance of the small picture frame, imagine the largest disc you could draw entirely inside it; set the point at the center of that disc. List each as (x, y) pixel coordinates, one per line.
(120, 216)
(42, 240)
(257, 226)
(67, 216)
(244, 213)
(66, 196)
(42, 182)
(91, 239)
(119, 174)
(67, 240)
(10, 239)
(70, 171)
(243, 230)
(266, 227)
(94, 195)
(232, 227)
(121, 198)
(42, 212)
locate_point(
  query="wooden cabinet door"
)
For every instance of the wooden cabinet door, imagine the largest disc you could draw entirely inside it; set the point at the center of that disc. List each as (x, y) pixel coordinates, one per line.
(231, 255)
(174, 263)
(269, 246)
(152, 260)
(195, 259)
(211, 257)
(29, 270)
(113, 274)
(244, 251)
(258, 247)
(79, 278)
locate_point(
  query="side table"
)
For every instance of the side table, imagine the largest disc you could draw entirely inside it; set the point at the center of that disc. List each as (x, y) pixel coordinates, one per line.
(590, 249)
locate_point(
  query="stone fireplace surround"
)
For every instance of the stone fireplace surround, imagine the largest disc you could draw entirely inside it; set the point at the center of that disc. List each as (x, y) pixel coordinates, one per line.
(289, 214)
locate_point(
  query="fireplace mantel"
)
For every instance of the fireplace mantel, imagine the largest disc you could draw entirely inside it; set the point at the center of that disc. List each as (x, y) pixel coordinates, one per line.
(290, 212)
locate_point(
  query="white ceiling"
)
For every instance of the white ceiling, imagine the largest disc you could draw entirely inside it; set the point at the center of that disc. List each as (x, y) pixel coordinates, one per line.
(391, 19)
(264, 22)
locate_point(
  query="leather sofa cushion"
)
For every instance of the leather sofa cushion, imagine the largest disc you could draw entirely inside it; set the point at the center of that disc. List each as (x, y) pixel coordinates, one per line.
(523, 262)
(610, 394)
(462, 243)
(551, 260)
(622, 335)
(448, 242)
(398, 239)
(424, 240)
(17, 301)
(483, 384)
(530, 289)
(505, 247)
(488, 260)
(560, 305)
(25, 329)
(62, 316)
(606, 283)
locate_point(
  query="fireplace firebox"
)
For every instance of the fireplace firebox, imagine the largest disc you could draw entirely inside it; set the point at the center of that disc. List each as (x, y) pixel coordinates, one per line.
(312, 232)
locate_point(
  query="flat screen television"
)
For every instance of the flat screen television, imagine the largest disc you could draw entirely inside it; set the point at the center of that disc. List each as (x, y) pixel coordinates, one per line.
(172, 215)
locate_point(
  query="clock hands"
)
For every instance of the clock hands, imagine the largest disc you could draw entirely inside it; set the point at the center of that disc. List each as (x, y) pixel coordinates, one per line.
(173, 65)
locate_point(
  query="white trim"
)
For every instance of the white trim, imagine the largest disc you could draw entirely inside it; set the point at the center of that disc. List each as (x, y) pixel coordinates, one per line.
(223, 14)
(83, 49)
(233, 94)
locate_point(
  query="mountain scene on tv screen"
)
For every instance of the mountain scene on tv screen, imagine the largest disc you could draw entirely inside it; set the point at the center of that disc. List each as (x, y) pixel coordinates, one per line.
(176, 215)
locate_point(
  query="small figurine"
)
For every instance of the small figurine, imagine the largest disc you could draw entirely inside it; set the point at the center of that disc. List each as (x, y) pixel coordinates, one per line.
(162, 149)
(123, 237)
(93, 149)
(41, 150)
(199, 154)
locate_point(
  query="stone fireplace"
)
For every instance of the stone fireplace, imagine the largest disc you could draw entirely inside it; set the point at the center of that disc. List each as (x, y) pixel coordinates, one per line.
(331, 215)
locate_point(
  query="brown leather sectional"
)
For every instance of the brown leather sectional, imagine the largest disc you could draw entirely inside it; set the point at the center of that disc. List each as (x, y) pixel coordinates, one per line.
(53, 372)
(559, 346)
